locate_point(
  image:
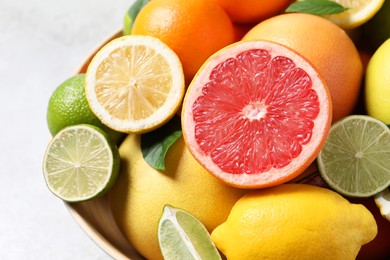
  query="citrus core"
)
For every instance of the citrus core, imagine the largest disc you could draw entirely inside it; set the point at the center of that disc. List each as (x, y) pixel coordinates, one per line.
(256, 114)
(326, 46)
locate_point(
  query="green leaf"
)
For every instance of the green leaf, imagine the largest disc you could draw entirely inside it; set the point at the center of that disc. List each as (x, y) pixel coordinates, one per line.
(131, 14)
(317, 7)
(155, 145)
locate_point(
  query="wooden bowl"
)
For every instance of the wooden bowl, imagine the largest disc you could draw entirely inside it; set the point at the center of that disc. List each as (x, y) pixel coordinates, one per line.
(95, 216)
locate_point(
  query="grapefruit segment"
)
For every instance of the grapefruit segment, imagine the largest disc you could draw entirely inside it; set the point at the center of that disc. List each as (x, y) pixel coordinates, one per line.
(256, 114)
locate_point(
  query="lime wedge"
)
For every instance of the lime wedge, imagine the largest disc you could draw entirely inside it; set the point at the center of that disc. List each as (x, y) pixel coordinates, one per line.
(80, 163)
(382, 200)
(183, 236)
(355, 159)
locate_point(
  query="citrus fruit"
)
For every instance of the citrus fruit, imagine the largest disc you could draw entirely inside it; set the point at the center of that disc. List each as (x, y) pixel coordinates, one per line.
(269, 223)
(377, 30)
(256, 114)
(183, 236)
(378, 248)
(358, 13)
(377, 84)
(193, 29)
(326, 46)
(134, 84)
(140, 193)
(355, 159)
(131, 14)
(80, 163)
(68, 106)
(383, 201)
(252, 11)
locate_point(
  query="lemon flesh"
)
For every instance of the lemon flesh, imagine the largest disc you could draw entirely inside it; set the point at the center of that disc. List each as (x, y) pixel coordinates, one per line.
(382, 200)
(135, 84)
(270, 224)
(359, 12)
(80, 163)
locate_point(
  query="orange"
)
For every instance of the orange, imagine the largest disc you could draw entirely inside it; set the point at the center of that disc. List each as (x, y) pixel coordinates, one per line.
(193, 29)
(256, 114)
(252, 11)
(326, 46)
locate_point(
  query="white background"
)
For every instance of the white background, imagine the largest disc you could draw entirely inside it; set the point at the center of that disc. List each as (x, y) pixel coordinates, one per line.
(42, 43)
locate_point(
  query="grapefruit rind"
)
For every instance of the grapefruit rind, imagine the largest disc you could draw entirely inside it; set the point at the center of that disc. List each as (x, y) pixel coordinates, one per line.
(273, 176)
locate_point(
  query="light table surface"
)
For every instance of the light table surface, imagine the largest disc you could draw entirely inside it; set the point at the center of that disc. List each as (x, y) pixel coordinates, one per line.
(42, 43)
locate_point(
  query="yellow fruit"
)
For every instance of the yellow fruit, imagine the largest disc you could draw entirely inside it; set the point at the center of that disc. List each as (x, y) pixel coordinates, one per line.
(138, 197)
(359, 12)
(377, 87)
(134, 84)
(326, 46)
(294, 221)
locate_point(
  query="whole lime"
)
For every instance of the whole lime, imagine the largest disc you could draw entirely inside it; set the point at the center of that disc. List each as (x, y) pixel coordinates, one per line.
(68, 106)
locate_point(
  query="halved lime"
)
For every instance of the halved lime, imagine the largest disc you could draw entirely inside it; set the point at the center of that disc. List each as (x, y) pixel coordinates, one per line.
(382, 200)
(355, 159)
(183, 236)
(80, 163)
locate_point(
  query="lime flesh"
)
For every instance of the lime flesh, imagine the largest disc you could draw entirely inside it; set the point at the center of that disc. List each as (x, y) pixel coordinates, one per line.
(80, 163)
(355, 160)
(182, 236)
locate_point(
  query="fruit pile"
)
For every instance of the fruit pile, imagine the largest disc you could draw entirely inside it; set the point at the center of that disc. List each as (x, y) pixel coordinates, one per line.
(249, 129)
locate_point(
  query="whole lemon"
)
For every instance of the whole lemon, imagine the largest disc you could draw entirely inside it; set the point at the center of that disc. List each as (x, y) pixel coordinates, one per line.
(138, 197)
(377, 87)
(294, 221)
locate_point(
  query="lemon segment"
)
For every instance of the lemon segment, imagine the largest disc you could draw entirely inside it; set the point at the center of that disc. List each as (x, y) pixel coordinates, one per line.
(135, 84)
(382, 200)
(359, 12)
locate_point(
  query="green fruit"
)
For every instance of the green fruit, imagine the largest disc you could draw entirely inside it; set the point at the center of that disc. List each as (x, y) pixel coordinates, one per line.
(355, 158)
(131, 14)
(68, 106)
(182, 236)
(80, 163)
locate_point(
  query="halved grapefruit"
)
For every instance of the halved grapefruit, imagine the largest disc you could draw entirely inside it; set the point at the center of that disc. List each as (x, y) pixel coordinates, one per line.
(256, 114)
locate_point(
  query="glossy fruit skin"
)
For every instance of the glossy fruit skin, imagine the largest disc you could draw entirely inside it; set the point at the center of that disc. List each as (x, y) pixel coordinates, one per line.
(377, 80)
(316, 38)
(379, 248)
(269, 222)
(252, 11)
(140, 192)
(194, 29)
(68, 106)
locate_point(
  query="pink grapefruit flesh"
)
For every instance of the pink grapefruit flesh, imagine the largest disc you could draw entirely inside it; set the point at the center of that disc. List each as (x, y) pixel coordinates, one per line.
(256, 114)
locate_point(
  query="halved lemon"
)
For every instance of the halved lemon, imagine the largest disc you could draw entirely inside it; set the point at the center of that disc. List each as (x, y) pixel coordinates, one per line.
(135, 84)
(359, 12)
